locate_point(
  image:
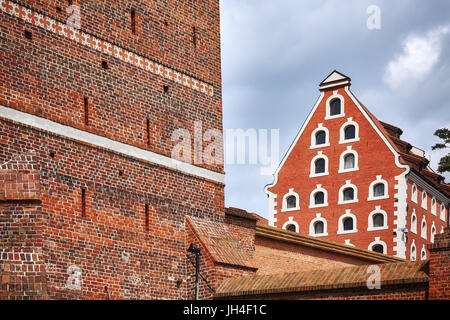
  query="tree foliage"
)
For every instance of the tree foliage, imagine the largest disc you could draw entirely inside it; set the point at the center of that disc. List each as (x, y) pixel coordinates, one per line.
(444, 163)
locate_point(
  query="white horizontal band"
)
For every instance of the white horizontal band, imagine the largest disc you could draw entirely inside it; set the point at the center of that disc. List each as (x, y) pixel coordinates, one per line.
(80, 135)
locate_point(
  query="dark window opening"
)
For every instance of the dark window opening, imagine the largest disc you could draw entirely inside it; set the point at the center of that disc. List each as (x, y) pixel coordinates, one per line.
(320, 137)
(350, 132)
(349, 161)
(105, 65)
(166, 89)
(378, 190)
(318, 227)
(83, 202)
(291, 227)
(28, 34)
(335, 107)
(320, 166)
(291, 202)
(348, 224)
(148, 132)
(133, 21)
(319, 198)
(86, 111)
(146, 217)
(349, 194)
(52, 154)
(378, 220)
(59, 9)
(378, 248)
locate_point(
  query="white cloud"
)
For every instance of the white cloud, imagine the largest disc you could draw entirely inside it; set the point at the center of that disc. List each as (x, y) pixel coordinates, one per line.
(420, 54)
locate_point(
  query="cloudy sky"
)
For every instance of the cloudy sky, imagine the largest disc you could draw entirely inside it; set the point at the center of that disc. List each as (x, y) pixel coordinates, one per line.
(276, 52)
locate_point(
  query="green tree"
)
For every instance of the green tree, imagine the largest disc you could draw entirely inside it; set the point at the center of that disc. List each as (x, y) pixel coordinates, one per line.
(444, 163)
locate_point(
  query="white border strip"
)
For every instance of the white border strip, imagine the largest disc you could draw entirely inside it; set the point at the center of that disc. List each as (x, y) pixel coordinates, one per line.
(80, 135)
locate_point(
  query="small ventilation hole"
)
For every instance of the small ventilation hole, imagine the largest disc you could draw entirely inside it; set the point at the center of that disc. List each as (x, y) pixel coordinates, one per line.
(105, 65)
(28, 34)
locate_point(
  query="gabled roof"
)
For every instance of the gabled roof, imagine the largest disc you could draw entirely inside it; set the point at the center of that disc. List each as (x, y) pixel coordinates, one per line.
(350, 277)
(335, 78)
(222, 244)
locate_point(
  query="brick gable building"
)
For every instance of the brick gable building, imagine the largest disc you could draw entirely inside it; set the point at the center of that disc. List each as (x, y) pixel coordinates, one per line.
(349, 178)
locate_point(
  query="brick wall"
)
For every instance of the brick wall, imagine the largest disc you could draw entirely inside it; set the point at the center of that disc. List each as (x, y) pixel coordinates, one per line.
(439, 283)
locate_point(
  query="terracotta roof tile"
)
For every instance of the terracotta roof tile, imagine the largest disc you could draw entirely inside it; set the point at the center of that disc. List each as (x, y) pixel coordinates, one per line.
(350, 277)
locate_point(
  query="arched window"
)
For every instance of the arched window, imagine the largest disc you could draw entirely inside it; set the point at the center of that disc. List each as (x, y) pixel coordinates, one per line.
(414, 222)
(414, 193)
(413, 254)
(291, 227)
(319, 165)
(347, 223)
(433, 233)
(424, 199)
(348, 193)
(349, 132)
(378, 248)
(378, 189)
(291, 202)
(423, 231)
(318, 197)
(433, 205)
(423, 254)
(349, 161)
(335, 107)
(442, 212)
(318, 226)
(321, 137)
(377, 220)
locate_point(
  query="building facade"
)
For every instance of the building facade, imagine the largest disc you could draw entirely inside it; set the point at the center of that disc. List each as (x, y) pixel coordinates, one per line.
(349, 178)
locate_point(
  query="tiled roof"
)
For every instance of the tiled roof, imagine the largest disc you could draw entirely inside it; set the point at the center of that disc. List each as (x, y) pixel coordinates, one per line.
(417, 163)
(324, 245)
(350, 277)
(241, 213)
(223, 245)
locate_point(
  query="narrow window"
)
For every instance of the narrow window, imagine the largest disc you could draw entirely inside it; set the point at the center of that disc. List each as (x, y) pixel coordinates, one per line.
(320, 166)
(291, 202)
(378, 220)
(335, 107)
(318, 227)
(291, 227)
(105, 65)
(194, 36)
(148, 132)
(83, 202)
(28, 34)
(378, 190)
(349, 194)
(86, 111)
(349, 132)
(349, 161)
(146, 217)
(320, 137)
(133, 21)
(378, 248)
(319, 198)
(348, 224)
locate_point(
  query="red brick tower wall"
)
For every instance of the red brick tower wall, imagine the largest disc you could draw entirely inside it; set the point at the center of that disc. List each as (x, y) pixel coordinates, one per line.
(22, 268)
(374, 158)
(115, 223)
(439, 283)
